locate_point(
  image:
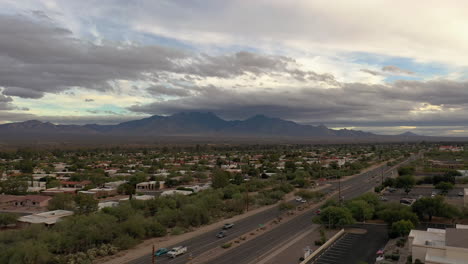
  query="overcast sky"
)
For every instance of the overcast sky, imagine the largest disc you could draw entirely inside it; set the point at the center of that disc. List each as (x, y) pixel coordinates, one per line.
(380, 66)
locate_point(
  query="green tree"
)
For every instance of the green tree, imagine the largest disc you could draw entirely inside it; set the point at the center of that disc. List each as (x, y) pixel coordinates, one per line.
(336, 217)
(85, 204)
(14, 185)
(444, 187)
(429, 207)
(401, 228)
(127, 189)
(62, 201)
(406, 182)
(8, 219)
(220, 179)
(360, 210)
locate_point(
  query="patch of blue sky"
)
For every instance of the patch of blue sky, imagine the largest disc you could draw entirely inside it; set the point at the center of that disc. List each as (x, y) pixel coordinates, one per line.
(110, 108)
(421, 69)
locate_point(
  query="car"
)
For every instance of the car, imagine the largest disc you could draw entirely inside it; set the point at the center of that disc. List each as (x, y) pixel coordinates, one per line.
(298, 199)
(383, 198)
(228, 225)
(460, 194)
(318, 212)
(221, 234)
(161, 252)
(303, 201)
(392, 190)
(177, 251)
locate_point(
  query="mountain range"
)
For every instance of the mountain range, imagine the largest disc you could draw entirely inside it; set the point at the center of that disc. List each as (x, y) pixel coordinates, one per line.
(186, 124)
(194, 125)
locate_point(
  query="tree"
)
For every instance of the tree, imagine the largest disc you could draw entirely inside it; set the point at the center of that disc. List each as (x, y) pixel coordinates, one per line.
(61, 201)
(8, 219)
(444, 187)
(360, 210)
(401, 228)
(85, 204)
(336, 217)
(126, 189)
(393, 212)
(406, 171)
(220, 179)
(429, 207)
(14, 185)
(285, 206)
(406, 182)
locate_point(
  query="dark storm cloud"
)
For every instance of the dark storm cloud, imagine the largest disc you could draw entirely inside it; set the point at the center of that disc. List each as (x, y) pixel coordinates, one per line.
(38, 56)
(22, 92)
(163, 90)
(402, 103)
(5, 102)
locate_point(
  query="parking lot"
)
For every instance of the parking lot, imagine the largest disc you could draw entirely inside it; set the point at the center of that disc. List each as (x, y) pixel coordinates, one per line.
(355, 246)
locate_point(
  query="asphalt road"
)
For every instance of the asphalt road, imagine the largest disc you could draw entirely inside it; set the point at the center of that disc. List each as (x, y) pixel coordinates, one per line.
(249, 251)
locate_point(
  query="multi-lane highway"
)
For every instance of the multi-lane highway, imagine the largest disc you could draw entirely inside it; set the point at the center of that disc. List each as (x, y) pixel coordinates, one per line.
(249, 251)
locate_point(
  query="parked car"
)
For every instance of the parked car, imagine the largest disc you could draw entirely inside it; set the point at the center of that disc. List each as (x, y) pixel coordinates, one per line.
(221, 234)
(228, 226)
(161, 252)
(177, 251)
(298, 199)
(318, 212)
(383, 198)
(303, 201)
(460, 194)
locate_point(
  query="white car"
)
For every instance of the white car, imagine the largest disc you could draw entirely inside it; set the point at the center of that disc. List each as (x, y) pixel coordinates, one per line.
(298, 199)
(177, 251)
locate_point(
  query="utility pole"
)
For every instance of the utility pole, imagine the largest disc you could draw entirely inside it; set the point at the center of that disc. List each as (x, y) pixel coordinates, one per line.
(153, 260)
(382, 174)
(339, 191)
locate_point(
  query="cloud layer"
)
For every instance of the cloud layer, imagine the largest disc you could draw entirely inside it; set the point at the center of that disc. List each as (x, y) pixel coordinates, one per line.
(343, 65)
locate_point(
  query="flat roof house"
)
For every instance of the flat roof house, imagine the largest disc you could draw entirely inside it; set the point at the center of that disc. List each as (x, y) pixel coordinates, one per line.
(439, 246)
(47, 218)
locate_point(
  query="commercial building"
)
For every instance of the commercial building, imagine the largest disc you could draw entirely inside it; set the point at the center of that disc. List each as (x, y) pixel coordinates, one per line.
(440, 246)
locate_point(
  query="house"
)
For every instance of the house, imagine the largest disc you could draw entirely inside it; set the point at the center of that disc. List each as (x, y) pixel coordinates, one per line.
(148, 186)
(174, 192)
(100, 192)
(74, 184)
(47, 218)
(440, 246)
(139, 197)
(30, 201)
(114, 184)
(451, 148)
(102, 205)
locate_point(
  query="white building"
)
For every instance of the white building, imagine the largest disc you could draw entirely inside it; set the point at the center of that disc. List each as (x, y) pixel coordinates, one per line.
(48, 218)
(439, 246)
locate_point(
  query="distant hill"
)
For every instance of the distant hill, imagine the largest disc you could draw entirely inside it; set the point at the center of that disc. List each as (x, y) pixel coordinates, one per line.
(190, 125)
(187, 123)
(409, 134)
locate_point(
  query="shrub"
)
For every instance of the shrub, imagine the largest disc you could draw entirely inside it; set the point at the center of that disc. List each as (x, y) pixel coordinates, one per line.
(227, 245)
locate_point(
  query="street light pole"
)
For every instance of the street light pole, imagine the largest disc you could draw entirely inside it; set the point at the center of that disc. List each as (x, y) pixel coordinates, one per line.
(339, 191)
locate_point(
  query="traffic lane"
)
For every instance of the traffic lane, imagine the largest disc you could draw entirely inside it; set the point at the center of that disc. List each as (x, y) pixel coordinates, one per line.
(207, 241)
(202, 243)
(251, 250)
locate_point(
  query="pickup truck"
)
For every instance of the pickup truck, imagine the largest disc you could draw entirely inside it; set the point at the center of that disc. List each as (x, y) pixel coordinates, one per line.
(227, 226)
(177, 251)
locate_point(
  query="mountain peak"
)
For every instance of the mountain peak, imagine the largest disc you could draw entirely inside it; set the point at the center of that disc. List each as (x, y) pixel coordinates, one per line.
(409, 134)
